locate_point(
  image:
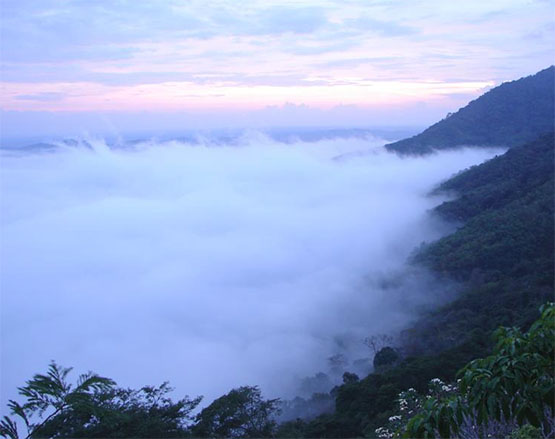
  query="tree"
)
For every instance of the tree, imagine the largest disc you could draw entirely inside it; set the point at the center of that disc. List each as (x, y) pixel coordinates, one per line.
(95, 407)
(386, 357)
(377, 342)
(52, 394)
(241, 413)
(144, 413)
(515, 383)
(349, 377)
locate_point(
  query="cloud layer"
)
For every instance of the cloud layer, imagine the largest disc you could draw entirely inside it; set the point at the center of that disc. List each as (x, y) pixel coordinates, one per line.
(186, 56)
(211, 266)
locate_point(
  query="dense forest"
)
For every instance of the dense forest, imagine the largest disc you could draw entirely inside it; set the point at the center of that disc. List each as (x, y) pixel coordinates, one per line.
(501, 253)
(508, 115)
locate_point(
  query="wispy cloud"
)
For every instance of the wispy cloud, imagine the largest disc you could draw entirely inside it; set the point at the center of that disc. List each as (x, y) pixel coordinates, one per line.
(383, 28)
(42, 97)
(148, 52)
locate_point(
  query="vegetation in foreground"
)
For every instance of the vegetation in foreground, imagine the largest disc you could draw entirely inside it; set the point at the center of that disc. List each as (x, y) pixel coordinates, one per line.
(511, 392)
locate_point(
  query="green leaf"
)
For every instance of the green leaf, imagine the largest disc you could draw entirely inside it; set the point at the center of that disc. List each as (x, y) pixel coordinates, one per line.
(8, 428)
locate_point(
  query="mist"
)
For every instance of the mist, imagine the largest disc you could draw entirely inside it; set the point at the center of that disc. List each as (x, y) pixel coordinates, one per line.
(211, 264)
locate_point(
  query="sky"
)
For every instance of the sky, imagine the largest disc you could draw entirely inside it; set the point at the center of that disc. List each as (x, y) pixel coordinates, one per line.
(166, 64)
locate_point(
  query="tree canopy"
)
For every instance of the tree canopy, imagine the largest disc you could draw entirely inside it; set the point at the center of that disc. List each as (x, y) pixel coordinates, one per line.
(95, 407)
(515, 383)
(240, 413)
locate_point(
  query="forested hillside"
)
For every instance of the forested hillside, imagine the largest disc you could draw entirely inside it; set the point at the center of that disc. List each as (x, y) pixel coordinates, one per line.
(503, 255)
(508, 115)
(504, 249)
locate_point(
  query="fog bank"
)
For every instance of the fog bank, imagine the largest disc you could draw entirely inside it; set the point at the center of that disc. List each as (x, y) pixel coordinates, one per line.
(211, 266)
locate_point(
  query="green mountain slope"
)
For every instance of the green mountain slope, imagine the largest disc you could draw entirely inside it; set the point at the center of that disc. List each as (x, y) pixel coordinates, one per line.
(507, 204)
(497, 182)
(508, 115)
(503, 254)
(504, 251)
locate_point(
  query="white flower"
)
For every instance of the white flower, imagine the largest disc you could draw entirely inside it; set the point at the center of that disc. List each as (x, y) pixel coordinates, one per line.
(384, 433)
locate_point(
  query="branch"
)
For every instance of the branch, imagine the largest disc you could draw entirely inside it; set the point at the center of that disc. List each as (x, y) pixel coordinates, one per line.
(39, 426)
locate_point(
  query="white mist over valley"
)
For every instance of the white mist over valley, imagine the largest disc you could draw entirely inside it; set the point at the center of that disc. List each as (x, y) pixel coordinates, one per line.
(212, 263)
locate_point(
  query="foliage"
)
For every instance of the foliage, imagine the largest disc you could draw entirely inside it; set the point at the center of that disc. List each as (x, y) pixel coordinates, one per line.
(503, 253)
(241, 413)
(378, 341)
(526, 432)
(361, 407)
(291, 429)
(498, 182)
(51, 394)
(385, 357)
(410, 403)
(95, 407)
(515, 382)
(147, 412)
(508, 115)
(507, 204)
(349, 377)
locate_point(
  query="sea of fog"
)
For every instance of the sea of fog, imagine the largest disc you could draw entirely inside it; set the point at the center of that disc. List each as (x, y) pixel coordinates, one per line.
(211, 262)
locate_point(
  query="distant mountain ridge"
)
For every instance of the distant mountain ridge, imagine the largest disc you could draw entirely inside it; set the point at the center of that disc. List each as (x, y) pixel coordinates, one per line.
(511, 114)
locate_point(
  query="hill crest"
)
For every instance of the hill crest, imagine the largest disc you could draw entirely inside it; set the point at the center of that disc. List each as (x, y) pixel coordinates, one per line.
(510, 114)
